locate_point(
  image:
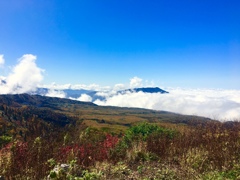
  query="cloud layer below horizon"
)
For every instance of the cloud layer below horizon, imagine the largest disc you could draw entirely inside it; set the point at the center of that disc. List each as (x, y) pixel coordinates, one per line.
(26, 76)
(215, 104)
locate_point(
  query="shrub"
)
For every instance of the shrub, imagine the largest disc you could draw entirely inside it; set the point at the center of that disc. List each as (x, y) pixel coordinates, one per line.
(88, 153)
(142, 131)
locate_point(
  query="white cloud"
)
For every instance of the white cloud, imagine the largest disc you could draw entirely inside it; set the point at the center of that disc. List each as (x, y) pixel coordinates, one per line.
(2, 61)
(55, 93)
(24, 77)
(84, 97)
(119, 87)
(135, 82)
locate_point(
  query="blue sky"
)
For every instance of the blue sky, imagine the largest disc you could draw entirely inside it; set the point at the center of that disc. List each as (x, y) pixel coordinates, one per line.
(194, 44)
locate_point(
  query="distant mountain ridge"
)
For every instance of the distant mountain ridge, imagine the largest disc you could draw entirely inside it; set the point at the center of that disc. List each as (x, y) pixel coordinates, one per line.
(17, 100)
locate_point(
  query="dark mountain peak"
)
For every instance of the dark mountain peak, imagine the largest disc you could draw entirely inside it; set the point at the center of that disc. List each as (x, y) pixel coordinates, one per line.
(146, 90)
(150, 90)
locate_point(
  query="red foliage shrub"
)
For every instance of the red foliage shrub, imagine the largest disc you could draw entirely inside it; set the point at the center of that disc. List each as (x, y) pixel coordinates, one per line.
(87, 154)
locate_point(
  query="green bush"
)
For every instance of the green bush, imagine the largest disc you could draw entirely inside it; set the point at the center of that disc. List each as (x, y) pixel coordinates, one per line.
(142, 131)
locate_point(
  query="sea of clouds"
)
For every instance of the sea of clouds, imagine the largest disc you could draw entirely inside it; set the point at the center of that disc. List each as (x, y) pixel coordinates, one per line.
(26, 77)
(215, 104)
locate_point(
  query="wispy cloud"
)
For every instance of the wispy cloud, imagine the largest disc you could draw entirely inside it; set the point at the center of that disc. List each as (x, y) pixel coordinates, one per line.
(56, 93)
(2, 61)
(135, 82)
(24, 77)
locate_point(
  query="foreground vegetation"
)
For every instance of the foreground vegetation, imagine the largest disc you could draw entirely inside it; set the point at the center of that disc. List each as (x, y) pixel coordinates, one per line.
(53, 138)
(145, 151)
